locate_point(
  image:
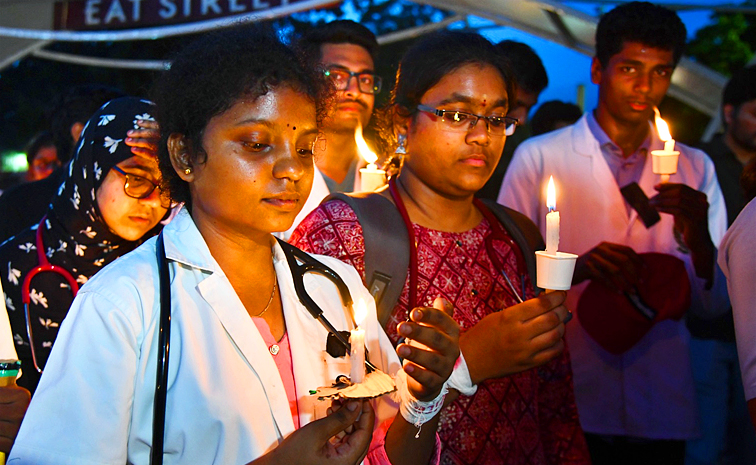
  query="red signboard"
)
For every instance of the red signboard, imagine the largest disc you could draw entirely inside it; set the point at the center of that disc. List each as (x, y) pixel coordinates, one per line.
(120, 14)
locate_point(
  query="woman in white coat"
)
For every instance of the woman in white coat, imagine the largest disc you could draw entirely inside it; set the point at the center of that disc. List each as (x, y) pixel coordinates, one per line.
(239, 116)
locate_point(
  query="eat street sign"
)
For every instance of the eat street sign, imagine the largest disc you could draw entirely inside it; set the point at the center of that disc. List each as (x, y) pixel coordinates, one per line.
(127, 14)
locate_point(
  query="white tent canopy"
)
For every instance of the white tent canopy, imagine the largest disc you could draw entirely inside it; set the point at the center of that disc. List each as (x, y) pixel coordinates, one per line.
(26, 27)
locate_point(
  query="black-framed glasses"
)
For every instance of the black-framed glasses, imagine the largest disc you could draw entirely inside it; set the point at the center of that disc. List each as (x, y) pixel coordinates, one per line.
(368, 83)
(460, 121)
(139, 187)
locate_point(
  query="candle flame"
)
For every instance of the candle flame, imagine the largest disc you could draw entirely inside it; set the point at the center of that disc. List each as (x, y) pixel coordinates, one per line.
(661, 126)
(551, 195)
(360, 311)
(363, 148)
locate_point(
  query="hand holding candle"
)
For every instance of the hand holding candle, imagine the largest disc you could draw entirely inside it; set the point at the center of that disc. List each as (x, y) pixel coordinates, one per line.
(664, 161)
(553, 268)
(357, 342)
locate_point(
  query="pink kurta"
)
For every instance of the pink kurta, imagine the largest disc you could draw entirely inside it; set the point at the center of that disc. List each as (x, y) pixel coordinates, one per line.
(527, 418)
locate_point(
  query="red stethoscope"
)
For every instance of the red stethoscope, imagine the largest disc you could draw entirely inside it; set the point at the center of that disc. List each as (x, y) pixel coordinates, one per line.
(497, 234)
(43, 266)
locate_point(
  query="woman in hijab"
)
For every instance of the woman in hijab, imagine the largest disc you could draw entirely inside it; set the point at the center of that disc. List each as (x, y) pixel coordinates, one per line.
(107, 205)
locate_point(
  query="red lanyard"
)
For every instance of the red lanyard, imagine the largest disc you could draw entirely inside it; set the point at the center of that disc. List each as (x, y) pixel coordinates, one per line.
(43, 266)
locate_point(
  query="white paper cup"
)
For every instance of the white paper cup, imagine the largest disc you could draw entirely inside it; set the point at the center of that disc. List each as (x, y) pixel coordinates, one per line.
(664, 162)
(554, 272)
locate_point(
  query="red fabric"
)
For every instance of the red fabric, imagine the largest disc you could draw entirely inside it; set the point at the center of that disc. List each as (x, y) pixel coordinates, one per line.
(527, 418)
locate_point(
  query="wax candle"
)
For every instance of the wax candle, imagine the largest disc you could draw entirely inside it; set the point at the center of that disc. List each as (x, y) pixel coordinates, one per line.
(552, 220)
(357, 341)
(371, 178)
(664, 161)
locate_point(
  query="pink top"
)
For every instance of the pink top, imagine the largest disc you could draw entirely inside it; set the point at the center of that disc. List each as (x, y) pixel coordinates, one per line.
(281, 353)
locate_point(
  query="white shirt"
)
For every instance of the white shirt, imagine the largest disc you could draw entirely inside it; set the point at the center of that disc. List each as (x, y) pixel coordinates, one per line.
(646, 392)
(737, 258)
(226, 401)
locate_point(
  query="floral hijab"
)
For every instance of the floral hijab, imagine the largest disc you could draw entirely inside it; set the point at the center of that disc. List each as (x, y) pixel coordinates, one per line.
(74, 234)
(73, 219)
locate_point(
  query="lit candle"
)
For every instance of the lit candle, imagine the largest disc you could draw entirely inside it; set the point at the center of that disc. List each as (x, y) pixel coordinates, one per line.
(357, 341)
(664, 134)
(552, 220)
(371, 178)
(664, 161)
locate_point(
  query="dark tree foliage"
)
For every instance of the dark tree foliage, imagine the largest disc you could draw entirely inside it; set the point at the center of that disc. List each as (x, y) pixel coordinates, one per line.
(726, 44)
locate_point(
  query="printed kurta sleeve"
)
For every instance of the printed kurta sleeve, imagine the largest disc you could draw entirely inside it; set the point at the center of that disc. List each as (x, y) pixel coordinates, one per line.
(333, 229)
(81, 412)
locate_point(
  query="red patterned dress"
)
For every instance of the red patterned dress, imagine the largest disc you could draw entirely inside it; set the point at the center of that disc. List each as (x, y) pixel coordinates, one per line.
(527, 418)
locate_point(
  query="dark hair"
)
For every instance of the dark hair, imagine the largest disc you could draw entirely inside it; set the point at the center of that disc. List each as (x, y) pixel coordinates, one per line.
(212, 74)
(643, 22)
(40, 140)
(741, 88)
(554, 111)
(748, 181)
(76, 105)
(427, 62)
(526, 65)
(336, 32)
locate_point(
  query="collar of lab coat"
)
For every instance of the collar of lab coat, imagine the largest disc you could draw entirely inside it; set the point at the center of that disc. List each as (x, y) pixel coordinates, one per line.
(586, 144)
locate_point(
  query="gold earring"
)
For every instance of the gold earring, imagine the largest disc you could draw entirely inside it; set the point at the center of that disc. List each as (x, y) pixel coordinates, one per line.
(188, 171)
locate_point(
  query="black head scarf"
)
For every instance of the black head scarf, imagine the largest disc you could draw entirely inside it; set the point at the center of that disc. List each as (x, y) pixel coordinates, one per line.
(74, 234)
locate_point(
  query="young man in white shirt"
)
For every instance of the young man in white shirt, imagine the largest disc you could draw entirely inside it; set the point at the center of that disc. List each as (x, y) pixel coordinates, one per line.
(638, 406)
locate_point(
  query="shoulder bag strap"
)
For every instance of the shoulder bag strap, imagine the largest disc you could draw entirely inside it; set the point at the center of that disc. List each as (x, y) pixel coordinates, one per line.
(386, 248)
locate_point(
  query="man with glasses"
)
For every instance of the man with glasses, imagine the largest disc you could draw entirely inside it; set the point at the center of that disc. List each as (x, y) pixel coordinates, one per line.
(346, 52)
(636, 401)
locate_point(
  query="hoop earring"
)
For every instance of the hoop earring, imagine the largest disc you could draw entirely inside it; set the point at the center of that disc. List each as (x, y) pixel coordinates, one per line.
(401, 149)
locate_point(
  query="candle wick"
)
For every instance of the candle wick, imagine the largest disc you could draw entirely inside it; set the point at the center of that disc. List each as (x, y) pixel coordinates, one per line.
(551, 209)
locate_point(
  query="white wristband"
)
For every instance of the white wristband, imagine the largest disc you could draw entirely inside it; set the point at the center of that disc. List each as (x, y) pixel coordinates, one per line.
(415, 411)
(460, 378)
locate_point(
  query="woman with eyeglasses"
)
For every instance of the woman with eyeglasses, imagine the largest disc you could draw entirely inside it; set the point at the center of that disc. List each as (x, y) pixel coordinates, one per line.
(447, 120)
(108, 204)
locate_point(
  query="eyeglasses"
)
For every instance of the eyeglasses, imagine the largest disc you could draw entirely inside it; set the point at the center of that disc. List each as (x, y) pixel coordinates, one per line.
(138, 187)
(460, 121)
(368, 83)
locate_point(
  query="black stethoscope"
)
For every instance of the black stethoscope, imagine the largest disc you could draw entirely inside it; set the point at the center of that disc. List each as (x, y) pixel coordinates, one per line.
(300, 264)
(497, 233)
(43, 266)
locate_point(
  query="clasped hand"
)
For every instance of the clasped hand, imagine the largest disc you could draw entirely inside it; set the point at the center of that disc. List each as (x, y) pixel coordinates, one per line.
(517, 338)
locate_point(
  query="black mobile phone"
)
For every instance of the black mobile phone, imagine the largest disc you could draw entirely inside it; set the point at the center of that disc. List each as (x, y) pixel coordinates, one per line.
(639, 201)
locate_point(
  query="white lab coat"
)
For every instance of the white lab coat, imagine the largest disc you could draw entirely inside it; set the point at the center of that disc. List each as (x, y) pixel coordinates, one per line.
(648, 391)
(226, 401)
(737, 258)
